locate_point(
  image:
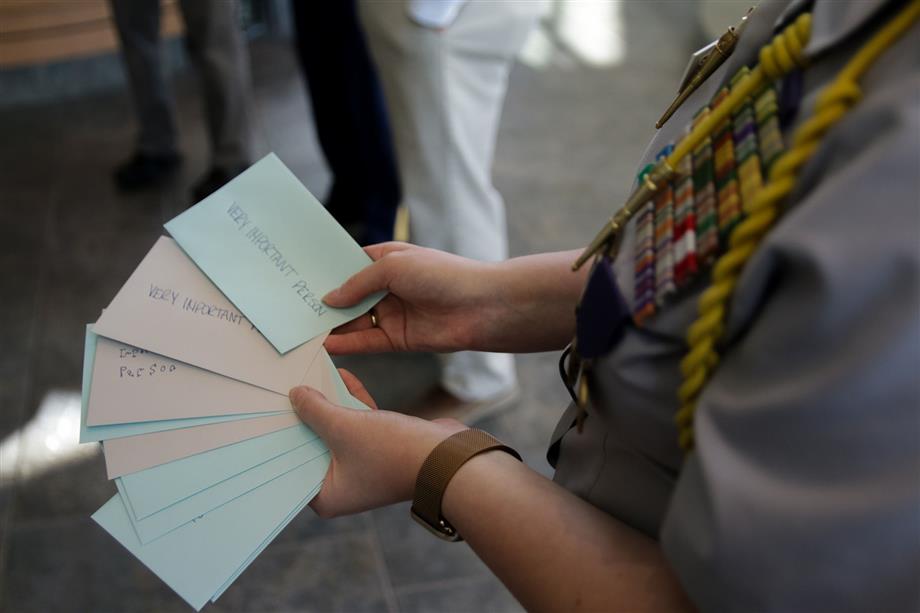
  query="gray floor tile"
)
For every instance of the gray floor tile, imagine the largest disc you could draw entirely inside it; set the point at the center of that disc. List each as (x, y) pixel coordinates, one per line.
(486, 595)
(73, 565)
(22, 226)
(327, 574)
(413, 556)
(7, 500)
(67, 490)
(20, 282)
(12, 403)
(307, 525)
(12, 408)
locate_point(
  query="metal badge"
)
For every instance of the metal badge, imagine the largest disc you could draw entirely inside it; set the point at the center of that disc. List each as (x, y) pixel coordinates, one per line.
(705, 62)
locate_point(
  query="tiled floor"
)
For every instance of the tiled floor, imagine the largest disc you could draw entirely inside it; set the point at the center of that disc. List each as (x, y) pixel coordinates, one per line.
(571, 134)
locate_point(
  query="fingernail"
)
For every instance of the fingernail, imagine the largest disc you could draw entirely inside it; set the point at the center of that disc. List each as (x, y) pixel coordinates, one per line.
(331, 296)
(297, 393)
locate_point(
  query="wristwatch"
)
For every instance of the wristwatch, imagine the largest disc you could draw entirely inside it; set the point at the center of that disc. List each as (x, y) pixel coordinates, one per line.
(438, 469)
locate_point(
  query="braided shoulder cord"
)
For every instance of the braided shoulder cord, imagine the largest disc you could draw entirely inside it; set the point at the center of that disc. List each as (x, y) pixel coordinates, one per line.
(776, 59)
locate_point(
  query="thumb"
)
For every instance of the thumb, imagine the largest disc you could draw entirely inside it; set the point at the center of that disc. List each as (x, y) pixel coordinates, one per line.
(313, 409)
(373, 278)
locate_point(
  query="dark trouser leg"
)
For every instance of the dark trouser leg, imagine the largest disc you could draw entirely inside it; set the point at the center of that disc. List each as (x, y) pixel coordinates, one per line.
(218, 51)
(138, 25)
(350, 116)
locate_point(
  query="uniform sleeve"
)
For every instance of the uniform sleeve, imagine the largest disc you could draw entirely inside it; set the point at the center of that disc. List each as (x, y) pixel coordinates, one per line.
(802, 492)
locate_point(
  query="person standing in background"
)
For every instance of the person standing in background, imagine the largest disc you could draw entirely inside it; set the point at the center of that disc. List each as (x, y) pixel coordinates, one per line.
(350, 118)
(216, 47)
(444, 68)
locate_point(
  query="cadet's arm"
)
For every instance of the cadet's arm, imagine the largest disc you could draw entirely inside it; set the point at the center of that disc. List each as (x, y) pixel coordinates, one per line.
(553, 550)
(539, 294)
(442, 302)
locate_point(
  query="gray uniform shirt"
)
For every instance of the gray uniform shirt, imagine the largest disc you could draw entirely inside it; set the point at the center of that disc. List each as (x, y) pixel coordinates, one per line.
(803, 492)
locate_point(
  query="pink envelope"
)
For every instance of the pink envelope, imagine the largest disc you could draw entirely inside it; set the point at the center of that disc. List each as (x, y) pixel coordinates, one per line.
(133, 453)
(168, 306)
(133, 385)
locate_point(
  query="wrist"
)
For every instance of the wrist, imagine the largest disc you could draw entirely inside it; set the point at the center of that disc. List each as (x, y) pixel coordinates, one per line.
(493, 298)
(529, 308)
(469, 480)
(440, 468)
(435, 433)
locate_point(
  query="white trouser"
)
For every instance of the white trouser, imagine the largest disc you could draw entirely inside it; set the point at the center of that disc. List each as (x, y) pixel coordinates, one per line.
(444, 91)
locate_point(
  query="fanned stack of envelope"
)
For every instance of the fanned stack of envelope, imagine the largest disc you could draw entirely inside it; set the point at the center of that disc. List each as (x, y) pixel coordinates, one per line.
(186, 375)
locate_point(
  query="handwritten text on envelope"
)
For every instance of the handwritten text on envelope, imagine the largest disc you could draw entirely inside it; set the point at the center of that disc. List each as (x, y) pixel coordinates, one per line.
(186, 318)
(273, 249)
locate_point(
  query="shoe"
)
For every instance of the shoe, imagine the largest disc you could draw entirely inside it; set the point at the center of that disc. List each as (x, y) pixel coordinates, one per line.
(439, 403)
(216, 178)
(145, 170)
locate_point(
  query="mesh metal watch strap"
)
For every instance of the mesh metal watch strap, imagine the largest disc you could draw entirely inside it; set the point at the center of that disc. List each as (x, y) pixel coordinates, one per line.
(438, 469)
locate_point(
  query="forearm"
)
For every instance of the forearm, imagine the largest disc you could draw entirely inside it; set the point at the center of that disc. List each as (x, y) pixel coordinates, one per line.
(554, 551)
(534, 303)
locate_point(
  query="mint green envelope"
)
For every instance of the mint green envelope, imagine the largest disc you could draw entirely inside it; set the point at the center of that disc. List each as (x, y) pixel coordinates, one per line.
(153, 489)
(197, 559)
(94, 434)
(274, 251)
(184, 511)
(347, 400)
(266, 543)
